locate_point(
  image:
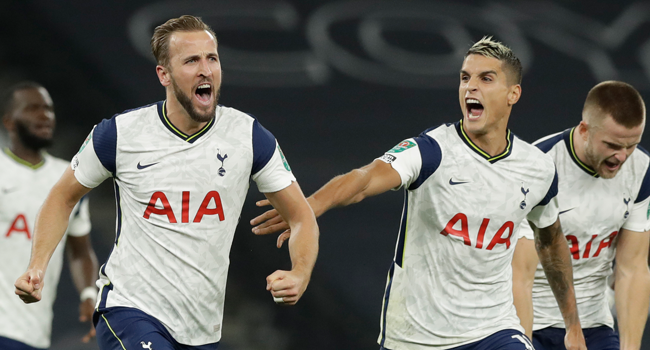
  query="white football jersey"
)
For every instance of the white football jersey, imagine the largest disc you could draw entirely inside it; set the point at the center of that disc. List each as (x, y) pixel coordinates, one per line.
(592, 211)
(179, 198)
(23, 188)
(451, 280)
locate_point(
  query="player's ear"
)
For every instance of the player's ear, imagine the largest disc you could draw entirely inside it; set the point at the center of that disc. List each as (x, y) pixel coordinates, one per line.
(163, 75)
(583, 130)
(7, 122)
(514, 94)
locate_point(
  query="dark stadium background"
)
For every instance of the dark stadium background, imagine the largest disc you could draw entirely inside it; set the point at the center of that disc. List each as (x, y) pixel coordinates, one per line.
(338, 83)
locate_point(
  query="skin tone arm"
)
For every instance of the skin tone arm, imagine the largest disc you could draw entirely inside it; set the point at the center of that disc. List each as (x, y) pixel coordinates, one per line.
(83, 268)
(303, 244)
(372, 179)
(554, 254)
(51, 223)
(632, 286)
(524, 264)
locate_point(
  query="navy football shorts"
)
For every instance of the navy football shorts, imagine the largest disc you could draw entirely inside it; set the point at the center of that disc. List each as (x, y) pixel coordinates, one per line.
(120, 328)
(507, 339)
(10, 344)
(598, 338)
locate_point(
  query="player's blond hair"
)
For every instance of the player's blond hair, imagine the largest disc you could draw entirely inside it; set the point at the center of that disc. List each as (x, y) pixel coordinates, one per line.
(618, 99)
(163, 32)
(489, 47)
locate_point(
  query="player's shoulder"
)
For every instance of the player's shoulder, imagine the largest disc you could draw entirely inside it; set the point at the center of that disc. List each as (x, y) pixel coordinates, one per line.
(533, 157)
(639, 162)
(129, 119)
(438, 136)
(552, 141)
(440, 131)
(642, 155)
(236, 119)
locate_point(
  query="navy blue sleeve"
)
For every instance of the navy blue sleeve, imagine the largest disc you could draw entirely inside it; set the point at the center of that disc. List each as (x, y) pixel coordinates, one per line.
(547, 144)
(552, 192)
(105, 143)
(431, 157)
(644, 191)
(263, 147)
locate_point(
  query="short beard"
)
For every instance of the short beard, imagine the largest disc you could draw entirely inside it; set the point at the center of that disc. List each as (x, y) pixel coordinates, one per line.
(186, 102)
(29, 140)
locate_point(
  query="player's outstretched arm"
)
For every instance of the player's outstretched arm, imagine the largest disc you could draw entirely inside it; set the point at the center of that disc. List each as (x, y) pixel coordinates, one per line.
(524, 264)
(554, 254)
(288, 286)
(83, 268)
(51, 223)
(632, 286)
(372, 179)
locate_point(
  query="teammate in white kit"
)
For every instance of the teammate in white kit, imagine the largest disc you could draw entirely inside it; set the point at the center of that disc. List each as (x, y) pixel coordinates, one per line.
(28, 173)
(604, 191)
(181, 169)
(468, 185)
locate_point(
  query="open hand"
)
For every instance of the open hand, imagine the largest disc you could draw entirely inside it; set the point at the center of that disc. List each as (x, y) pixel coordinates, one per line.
(271, 222)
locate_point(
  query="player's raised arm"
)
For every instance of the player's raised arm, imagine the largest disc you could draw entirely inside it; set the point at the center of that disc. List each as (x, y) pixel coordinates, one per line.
(288, 286)
(632, 286)
(372, 179)
(524, 264)
(555, 257)
(51, 223)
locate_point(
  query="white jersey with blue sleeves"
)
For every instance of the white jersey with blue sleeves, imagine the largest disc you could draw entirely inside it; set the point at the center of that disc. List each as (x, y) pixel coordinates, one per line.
(592, 212)
(23, 189)
(179, 198)
(451, 280)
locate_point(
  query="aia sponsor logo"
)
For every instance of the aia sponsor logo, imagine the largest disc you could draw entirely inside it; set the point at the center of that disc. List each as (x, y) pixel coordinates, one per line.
(502, 235)
(210, 205)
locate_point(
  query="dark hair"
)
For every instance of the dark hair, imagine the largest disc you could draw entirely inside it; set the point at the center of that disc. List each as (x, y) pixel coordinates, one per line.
(7, 102)
(491, 48)
(163, 32)
(618, 99)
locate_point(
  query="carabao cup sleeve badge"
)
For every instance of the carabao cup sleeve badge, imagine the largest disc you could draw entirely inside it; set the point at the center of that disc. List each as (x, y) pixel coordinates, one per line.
(402, 146)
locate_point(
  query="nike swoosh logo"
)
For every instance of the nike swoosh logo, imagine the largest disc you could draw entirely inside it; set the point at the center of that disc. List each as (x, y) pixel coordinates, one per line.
(564, 211)
(145, 166)
(452, 182)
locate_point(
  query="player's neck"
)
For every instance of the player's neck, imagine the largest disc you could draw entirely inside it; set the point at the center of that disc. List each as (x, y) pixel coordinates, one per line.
(178, 116)
(579, 148)
(29, 155)
(493, 142)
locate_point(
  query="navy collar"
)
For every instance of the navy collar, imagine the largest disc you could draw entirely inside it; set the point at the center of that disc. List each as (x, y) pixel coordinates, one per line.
(162, 113)
(492, 159)
(568, 140)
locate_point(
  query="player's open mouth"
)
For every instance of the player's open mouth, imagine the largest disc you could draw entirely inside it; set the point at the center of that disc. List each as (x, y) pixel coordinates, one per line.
(474, 108)
(611, 166)
(203, 93)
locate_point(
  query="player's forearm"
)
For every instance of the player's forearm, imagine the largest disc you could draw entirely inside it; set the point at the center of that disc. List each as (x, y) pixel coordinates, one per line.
(522, 292)
(83, 262)
(340, 191)
(303, 245)
(632, 298)
(51, 223)
(555, 257)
